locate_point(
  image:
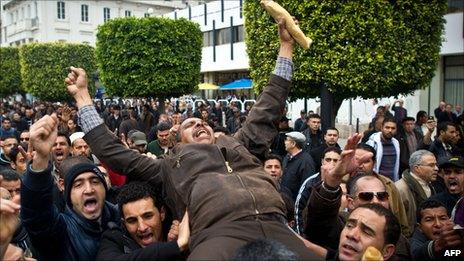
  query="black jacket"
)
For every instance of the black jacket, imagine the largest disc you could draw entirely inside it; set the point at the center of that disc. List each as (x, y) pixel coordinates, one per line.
(317, 154)
(117, 245)
(296, 170)
(448, 199)
(55, 235)
(312, 140)
(420, 246)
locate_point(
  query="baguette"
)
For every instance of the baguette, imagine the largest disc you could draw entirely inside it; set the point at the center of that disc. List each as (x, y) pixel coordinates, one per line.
(277, 12)
(372, 254)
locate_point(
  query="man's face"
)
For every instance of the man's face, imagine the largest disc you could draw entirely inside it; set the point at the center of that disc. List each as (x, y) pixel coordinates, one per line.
(29, 113)
(80, 148)
(204, 114)
(16, 116)
(458, 108)
(71, 125)
(20, 164)
(330, 158)
(8, 144)
(289, 144)
(314, 124)
(175, 118)
(448, 108)
(432, 222)
(409, 126)
(442, 105)
(368, 166)
(388, 130)
(428, 169)
(60, 150)
(454, 180)
(366, 187)
(450, 134)
(143, 221)
(363, 228)
(163, 137)
(331, 137)
(88, 195)
(6, 124)
(195, 130)
(273, 168)
(13, 186)
(24, 137)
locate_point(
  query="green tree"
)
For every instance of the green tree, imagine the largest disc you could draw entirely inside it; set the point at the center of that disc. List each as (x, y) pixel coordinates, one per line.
(44, 66)
(10, 71)
(149, 56)
(363, 48)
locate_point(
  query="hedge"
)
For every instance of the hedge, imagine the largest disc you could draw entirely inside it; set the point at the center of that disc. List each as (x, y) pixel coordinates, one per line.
(10, 71)
(366, 48)
(149, 56)
(44, 66)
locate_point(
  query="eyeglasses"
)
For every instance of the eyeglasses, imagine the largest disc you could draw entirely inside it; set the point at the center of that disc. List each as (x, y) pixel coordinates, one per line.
(24, 139)
(368, 196)
(432, 165)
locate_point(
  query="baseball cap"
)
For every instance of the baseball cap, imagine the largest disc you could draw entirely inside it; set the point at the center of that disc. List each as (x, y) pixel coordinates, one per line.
(298, 137)
(139, 138)
(454, 161)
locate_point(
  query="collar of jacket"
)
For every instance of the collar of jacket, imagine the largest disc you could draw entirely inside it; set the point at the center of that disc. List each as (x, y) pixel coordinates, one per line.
(414, 187)
(109, 213)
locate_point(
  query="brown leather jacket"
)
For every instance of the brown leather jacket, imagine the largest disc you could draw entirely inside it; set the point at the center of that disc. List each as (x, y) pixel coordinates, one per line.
(217, 183)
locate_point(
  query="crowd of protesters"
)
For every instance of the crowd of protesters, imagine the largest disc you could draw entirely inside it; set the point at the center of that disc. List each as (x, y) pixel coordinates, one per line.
(85, 181)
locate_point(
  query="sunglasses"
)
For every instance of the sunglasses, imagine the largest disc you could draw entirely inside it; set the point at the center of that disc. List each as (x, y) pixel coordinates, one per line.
(368, 196)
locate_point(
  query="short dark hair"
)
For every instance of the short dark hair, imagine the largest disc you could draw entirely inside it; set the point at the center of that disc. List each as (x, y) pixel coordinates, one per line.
(367, 147)
(9, 137)
(134, 191)
(163, 126)
(331, 128)
(6, 119)
(409, 118)
(221, 129)
(273, 156)
(392, 229)
(9, 175)
(332, 149)
(265, 249)
(351, 186)
(420, 114)
(427, 204)
(443, 126)
(388, 119)
(314, 116)
(64, 134)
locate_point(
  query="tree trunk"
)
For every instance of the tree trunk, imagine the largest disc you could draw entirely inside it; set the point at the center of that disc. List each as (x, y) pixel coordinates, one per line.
(161, 100)
(329, 107)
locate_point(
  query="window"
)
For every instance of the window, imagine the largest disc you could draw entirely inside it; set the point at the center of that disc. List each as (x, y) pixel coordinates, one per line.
(28, 11)
(60, 10)
(84, 13)
(454, 79)
(127, 13)
(106, 14)
(239, 34)
(207, 38)
(223, 36)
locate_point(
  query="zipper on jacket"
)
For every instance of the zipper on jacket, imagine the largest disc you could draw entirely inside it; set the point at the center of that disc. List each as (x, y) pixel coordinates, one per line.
(230, 170)
(224, 154)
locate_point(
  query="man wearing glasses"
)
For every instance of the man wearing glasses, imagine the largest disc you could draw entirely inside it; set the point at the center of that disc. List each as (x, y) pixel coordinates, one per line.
(324, 222)
(414, 186)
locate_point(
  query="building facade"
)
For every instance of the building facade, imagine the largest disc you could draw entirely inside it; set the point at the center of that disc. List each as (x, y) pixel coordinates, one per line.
(76, 21)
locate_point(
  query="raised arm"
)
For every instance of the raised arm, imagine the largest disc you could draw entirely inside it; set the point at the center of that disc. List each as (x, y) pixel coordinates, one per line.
(260, 126)
(104, 144)
(40, 217)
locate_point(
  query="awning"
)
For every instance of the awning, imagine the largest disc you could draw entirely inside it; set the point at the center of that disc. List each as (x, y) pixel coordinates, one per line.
(237, 84)
(207, 86)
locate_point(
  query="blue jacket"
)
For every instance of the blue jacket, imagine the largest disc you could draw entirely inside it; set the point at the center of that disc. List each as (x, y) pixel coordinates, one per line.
(55, 235)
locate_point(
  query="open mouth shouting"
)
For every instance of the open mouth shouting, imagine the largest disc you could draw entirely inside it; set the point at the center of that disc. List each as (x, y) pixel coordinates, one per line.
(90, 205)
(146, 237)
(453, 186)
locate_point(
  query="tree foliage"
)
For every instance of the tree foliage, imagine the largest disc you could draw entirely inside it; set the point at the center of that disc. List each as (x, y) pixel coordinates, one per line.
(10, 71)
(366, 48)
(149, 56)
(44, 66)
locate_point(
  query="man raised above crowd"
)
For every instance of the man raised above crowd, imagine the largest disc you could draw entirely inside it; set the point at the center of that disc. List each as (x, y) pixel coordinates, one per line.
(222, 183)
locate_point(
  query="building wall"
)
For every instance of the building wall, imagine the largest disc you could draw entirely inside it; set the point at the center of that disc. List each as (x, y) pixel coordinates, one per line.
(35, 20)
